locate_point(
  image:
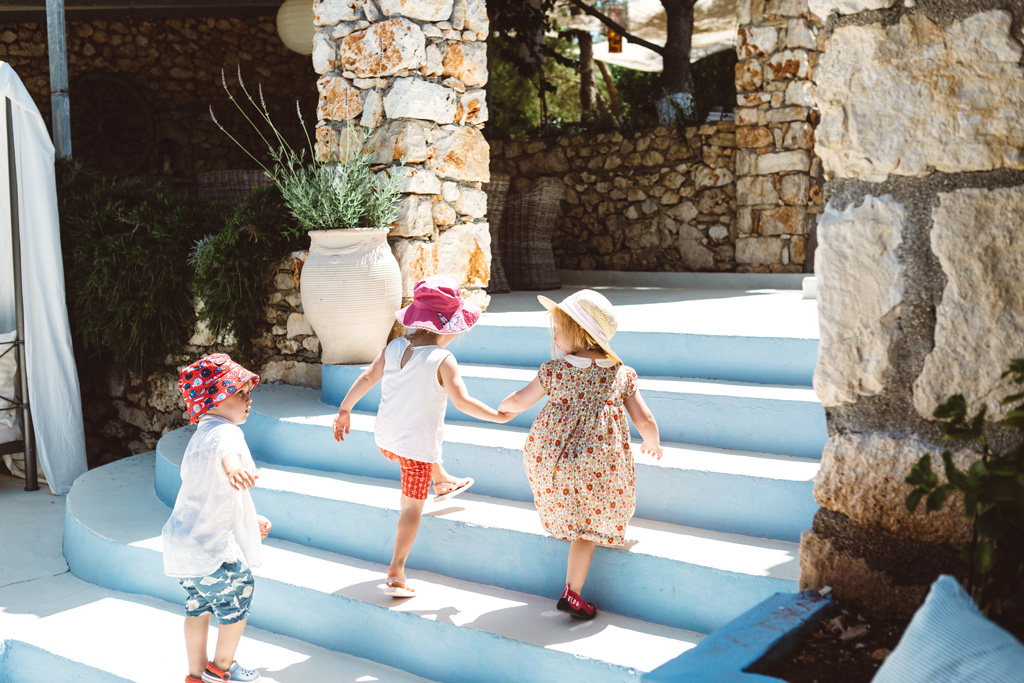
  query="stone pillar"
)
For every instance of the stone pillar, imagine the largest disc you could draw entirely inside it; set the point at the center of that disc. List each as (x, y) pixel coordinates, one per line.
(413, 72)
(918, 263)
(778, 177)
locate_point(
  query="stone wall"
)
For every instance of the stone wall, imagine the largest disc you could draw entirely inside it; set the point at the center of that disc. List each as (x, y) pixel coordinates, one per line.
(656, 200)
(778, 176)
(175, 65)
(919, 261)
(129, 413)
(413, 71)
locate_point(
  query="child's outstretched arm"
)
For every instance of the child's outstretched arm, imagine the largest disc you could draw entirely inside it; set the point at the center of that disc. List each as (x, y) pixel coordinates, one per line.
(365, 381)
(455, 387)
(521, 400)
(641, 416)
(239, 477)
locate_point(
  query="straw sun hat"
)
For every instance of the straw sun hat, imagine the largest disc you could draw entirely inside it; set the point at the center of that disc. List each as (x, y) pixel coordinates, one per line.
(593, 312)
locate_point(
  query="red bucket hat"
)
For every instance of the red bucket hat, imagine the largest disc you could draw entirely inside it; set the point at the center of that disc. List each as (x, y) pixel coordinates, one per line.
(210, 380)
(437, 305)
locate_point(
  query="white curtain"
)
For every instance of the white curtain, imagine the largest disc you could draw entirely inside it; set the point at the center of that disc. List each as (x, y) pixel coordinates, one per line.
(52, 377)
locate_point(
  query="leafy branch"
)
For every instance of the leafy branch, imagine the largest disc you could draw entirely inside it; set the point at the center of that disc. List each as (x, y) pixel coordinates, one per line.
(993, 494)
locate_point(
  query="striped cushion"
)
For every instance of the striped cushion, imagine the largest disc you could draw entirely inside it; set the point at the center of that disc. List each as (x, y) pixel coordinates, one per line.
(950, 641)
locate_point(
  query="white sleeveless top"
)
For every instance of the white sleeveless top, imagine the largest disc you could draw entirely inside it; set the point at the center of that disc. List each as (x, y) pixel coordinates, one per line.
(410, 419)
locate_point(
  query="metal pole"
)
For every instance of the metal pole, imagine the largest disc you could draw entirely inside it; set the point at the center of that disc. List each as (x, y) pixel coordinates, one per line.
(27, 432)
(59, 103)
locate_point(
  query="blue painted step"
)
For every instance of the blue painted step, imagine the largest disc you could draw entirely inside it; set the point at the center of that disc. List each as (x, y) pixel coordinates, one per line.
(750, 417)
(766, 360)
(678, 576)
(453, 631)
(754, 494)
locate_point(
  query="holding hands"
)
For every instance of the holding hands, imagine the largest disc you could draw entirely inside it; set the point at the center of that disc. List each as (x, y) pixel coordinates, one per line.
(342, 424)
(265, 526)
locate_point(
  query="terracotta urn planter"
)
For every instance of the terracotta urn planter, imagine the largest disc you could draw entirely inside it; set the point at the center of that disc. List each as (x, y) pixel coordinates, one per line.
(351, 287)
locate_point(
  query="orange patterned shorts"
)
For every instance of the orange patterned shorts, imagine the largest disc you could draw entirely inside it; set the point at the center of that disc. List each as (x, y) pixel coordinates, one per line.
(416, 475)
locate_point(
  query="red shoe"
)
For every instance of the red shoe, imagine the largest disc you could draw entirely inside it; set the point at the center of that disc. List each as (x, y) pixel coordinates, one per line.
(575, 605)
(192, 679)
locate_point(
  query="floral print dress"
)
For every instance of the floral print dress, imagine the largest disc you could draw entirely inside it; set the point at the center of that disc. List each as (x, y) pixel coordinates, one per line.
(577, 455)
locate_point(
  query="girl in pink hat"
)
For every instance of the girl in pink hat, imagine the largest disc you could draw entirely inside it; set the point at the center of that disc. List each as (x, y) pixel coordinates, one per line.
(419, 376)
(577, 454)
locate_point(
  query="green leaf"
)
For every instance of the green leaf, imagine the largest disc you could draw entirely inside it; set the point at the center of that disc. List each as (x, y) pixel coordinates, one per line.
(936, 499)
(914, 498)
(984, 557)
(978, 469)
(955, 408)
(921, 473)
(953, 474)
(992, 525)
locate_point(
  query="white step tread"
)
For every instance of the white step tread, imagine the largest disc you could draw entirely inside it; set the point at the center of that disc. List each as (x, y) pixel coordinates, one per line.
(672, 385)
(300, 405)
(135, 516)
(716, 550)
(139, 638)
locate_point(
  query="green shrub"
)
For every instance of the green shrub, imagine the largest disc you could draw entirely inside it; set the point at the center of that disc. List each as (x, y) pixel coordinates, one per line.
(993, 492)
(128, 283)
(235, 267)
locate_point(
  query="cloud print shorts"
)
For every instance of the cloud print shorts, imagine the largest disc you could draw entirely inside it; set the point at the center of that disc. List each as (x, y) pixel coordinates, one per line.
(226, 593)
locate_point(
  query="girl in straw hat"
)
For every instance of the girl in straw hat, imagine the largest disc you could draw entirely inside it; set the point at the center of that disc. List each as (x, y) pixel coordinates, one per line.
(419, 376)
(577, 455)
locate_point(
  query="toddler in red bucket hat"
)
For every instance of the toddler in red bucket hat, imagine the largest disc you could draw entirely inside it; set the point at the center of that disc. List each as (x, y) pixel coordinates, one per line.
(212, 537)
(419, 376)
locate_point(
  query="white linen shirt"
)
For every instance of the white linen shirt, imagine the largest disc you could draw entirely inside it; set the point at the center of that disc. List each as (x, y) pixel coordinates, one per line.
(211, 523)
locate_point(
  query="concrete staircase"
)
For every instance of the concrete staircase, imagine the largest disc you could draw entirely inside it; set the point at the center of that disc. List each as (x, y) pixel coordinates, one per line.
(715, 529)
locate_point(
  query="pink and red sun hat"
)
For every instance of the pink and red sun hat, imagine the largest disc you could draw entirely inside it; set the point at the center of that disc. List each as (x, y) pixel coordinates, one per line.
(210, 380)
(437, 305)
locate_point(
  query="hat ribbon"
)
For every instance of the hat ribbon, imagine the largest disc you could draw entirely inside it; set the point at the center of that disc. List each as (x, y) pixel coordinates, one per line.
(584, 318)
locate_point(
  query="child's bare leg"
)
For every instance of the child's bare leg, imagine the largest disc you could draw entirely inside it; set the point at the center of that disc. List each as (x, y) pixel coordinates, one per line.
(440, 476)
(196, 629)
(408, 525)
(228, 636)
(581, 552)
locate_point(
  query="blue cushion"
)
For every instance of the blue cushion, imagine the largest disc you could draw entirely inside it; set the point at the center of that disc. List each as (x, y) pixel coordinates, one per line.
(950, 641)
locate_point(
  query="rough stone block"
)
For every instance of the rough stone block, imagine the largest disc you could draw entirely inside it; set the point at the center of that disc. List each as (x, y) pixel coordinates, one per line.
(799, 135)
(416, 180)
(462, 155)
(891, 95)
(749, 75)
(754, 136)
(705, 177)
(414, 217)
(786, 8)
(474, 108)
(472, 202)
(860, 294)
(325, 54)
(800, 94)
(464, 254)
(396, 140)
(373, 110)
(784, 220)
(795, 189)
(292, 372)
(412, 98)
(799, 34)
(466, 62)
(784, 114)
(298, 325)
(755, 41)
(788, 64)
(421, 10)
(695, 255)
(779, 162)
(384, 49)
(416, 260)
(979, 326)
(823, 8)
(331, 12)
(476, 18)
(753, 190)
(862, 476)
(763, 250)
(339, 101)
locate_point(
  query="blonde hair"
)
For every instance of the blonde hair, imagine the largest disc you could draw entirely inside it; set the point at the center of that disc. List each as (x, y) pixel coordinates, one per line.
(577, 338)
(412, 333)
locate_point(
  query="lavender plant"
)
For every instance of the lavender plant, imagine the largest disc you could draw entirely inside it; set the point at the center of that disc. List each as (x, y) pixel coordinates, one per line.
(320, 194)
